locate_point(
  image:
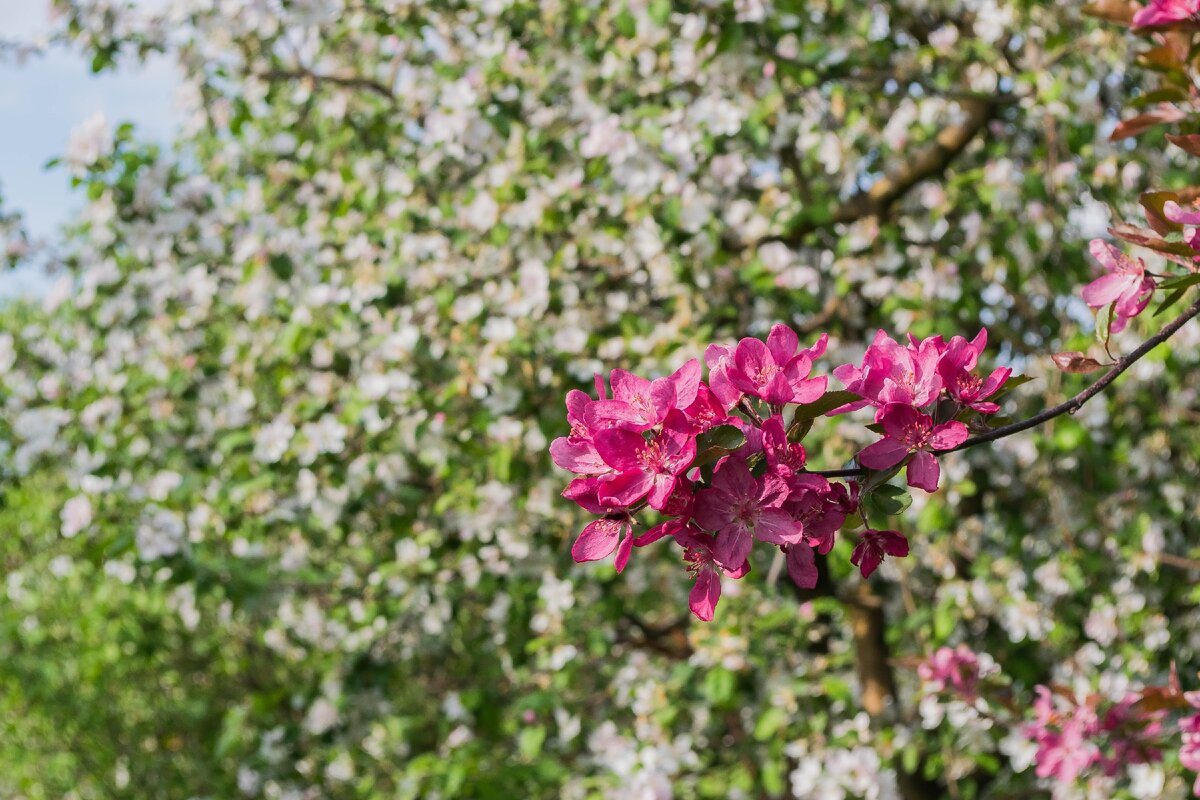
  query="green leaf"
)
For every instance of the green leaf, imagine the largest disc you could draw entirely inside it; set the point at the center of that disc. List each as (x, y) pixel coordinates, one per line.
(771, 722)
(531, 740)
(805, 413)
(717, 442)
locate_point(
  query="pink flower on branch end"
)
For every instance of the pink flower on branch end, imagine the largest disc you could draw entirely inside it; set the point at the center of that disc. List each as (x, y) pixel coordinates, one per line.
(1126, 286)
(873, 546)
(908, 432)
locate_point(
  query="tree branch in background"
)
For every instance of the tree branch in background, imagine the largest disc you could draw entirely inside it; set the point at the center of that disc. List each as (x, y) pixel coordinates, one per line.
(345, 81)
(929, 162)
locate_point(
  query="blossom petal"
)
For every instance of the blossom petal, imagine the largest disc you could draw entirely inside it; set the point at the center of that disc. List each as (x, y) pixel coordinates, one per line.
(625, 488)
(597, 540)
(577, 456)
(686, 381)
(923, 471)
(948, 435)
(705, 594)
(777, 527)
(884, 454)
(1106, 289)
(802, 566)
(782, 341)
(619, 448)
(733, 545)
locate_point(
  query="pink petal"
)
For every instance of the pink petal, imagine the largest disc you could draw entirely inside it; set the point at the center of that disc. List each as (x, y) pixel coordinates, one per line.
(705, 594)
(603, 414)
(866, 557)
(777, 527)
(625, 488)
(1176, 213)
(818, 348)
(735, 479)
(620, 448)
(597, 540)
(782, 342)
(577, 456)
(994, 381)
(624, 549)
(802, 566)
(808, 391)
(1106, 289)
(712, 510)
(923, 471)
(686, 381)
(884, 454)
(660, 491)
(948, 435)
(733, 545)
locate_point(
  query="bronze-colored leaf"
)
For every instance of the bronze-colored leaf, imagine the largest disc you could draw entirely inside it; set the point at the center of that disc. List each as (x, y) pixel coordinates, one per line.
(1075, 363)
(1153, 203)
(1118, 11)
(1188, 143)
(1164, 114)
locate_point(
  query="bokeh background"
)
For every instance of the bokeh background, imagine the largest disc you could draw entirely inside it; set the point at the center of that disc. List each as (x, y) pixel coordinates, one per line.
(294, 310)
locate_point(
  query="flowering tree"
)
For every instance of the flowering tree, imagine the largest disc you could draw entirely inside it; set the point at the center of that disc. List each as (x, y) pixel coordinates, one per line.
(278, 463)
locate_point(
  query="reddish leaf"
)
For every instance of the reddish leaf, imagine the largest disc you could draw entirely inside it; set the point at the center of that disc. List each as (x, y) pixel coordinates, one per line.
(1163, 115)
(1161, 698)
(1145, 238)
(1118, 11)
(1075, 363)
(1188, 143)
(1153, 203)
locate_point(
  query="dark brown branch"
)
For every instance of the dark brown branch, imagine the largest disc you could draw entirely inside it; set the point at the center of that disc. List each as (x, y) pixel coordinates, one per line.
(1067, 407)
(931, 161)
(346, 81)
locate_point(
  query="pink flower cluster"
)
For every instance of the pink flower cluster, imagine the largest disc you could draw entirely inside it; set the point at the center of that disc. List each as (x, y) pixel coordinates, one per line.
(1073, 736)
(907, 385)
(951, 668)
(725, 471)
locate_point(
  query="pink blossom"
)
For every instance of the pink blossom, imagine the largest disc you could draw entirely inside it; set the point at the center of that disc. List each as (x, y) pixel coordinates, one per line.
(956, 668)
(820, 512)
(1166, 12)
(613, 531)
(909, 432)
(707, 411)
(741, 508)
(873, 545)
(773, 371)
(956, 368)
(601, 537)
(699, 552)
(639, 404)
(645, 466)
(1126, 285)
(1189, 751)
(1063, 737)
(893, 373)
(719, 358)
(786, 459)
(1175, 213)
(576, 452)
